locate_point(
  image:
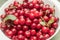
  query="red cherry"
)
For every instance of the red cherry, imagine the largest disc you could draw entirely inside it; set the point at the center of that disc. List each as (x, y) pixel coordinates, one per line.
(6, 10)
(16, 21)
(55, 25)
(14, 38)
(14, 30)
(18, 11)
(20, 37)
(25, 28)
(36, 6)
(3, 16)
(21, 12)
(16, 14)
(36, 21)
(33, 10)
(46, 18)
(34, 1)
(42, 6)
(25, 4)
(27, 33)
(45, 29)
(46, 36)
(26, 13)
(28, 21)
(33, 38)
(51, 32)
(36, 14)
(40, 20)
(38, 34)
(33, 32)
(52, 10)
(22, 21)
(40, 2)
(21, 17)
(55, 19)
(9, 33)
(39, 26)
(15, 3)
(41, 13)
(18, 6)
(14, 26)
(47, 6)
(31, 16)
(4, 27)
(50, 15)
(33, 26)
(47, 12)
(31, 5)
(20, 32)
(41, 37)
(18, 27)
(25, 0)
(25, 38)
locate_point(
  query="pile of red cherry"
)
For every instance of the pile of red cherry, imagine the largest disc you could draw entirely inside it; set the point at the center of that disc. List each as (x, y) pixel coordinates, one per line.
(33, 21)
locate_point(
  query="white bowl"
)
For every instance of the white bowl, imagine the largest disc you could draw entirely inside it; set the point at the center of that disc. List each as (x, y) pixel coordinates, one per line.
(51, 2)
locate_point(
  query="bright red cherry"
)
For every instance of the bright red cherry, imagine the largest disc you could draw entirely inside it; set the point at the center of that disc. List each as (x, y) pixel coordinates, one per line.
(19, 6)
(46, 36)
(45, 29)
(3, 27)
(41, 6)
(36, 14)
(20, 32)
(33, 38)
(20, 37)
(18, 27)
(51, 32)
(21, 17)
(34, 1)
(25, 4)
(33, 32)
(25, 38)
(27, 33)
(9, 33)
(14, 30)
(41, 13)
(38, 34)
(33, 10)
(21, 12)
(16, 21)
(25, 28)
(31, 16)
(36, 21)
(16, 14)
(28, 21)
(39, 26)
(41, 37)
(6, 10)
(26, 13)
(31, 5)
(33, 26)
(22, 21)
(46, 18)
(14, 38)
(3, 16)
(55, 25)
(15, 3)
(36, 6)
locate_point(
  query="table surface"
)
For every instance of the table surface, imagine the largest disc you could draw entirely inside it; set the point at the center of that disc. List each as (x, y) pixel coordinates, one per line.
(57, 37)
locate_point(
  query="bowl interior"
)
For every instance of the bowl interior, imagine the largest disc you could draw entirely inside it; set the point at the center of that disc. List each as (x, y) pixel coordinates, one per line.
(57, 12)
